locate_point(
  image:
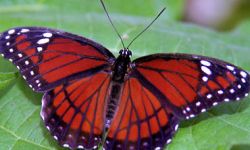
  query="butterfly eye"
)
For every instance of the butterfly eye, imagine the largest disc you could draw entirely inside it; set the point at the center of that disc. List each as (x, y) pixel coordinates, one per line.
(121, 52)
(129, 53)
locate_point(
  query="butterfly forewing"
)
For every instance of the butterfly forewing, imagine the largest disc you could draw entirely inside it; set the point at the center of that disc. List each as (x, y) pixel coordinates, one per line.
(190, 84)
(46, 57)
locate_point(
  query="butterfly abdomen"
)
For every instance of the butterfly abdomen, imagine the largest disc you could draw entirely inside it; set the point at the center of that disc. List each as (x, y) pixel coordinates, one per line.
(113, 101)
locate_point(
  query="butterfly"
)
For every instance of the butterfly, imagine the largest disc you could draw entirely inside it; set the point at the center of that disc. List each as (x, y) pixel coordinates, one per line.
(140, 103)
(92, 98)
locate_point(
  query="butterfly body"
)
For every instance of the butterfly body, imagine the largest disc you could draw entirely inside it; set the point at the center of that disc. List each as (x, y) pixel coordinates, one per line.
(121, 65)
(139, 103)
(119, 70)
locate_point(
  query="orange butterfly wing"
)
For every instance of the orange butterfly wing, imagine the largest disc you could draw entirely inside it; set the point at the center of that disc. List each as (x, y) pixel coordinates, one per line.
(74, 112)
(141, 121)
(191, 84)
(47, 58)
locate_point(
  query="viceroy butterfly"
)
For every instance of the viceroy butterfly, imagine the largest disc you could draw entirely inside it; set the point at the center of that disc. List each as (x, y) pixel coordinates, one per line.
(87, 91)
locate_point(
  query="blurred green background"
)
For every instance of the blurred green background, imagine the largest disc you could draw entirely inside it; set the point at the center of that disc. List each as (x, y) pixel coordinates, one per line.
(226, 127)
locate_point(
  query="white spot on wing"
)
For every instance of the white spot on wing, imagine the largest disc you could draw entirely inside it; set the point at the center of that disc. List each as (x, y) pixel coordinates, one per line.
(184, 111)
(230, 68)
(192, 116)
(203, 110)
(43, 41)
(11, 50)
(205, 63)
(32, 73)
(205, 79)
(215, 103)
(157, 148)
(47, 35)
(232, 91)
(26, 62)
(206, 70)
(20, 55)
(220, 92)
(243, 80)
(39, 49)
(80, 147)
(8, 43)
(169, 141)
(25, 30)
(243, 74)
(7, 37)
(198, 104)
(55, 137)
(209, 96)
(12, 31)
(66, 145)
(226, 100)
(176, 127)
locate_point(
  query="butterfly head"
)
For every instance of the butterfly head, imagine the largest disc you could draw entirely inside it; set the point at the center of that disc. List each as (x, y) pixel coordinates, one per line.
(125, 53)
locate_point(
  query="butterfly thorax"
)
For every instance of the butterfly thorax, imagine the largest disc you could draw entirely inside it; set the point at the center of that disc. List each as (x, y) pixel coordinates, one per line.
(121, 65)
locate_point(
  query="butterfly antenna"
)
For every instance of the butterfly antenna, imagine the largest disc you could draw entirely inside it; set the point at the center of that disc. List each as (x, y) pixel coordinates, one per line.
(112, 23)
(147, 27)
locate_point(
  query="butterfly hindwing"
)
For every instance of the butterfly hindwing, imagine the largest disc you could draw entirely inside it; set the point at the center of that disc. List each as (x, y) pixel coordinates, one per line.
(141, 121)
(191, 84)
(74, 112)
(47, 58)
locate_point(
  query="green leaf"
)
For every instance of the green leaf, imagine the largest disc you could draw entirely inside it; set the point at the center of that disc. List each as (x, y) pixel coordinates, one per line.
(20, 123)
(224, 127)
(6, 79)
